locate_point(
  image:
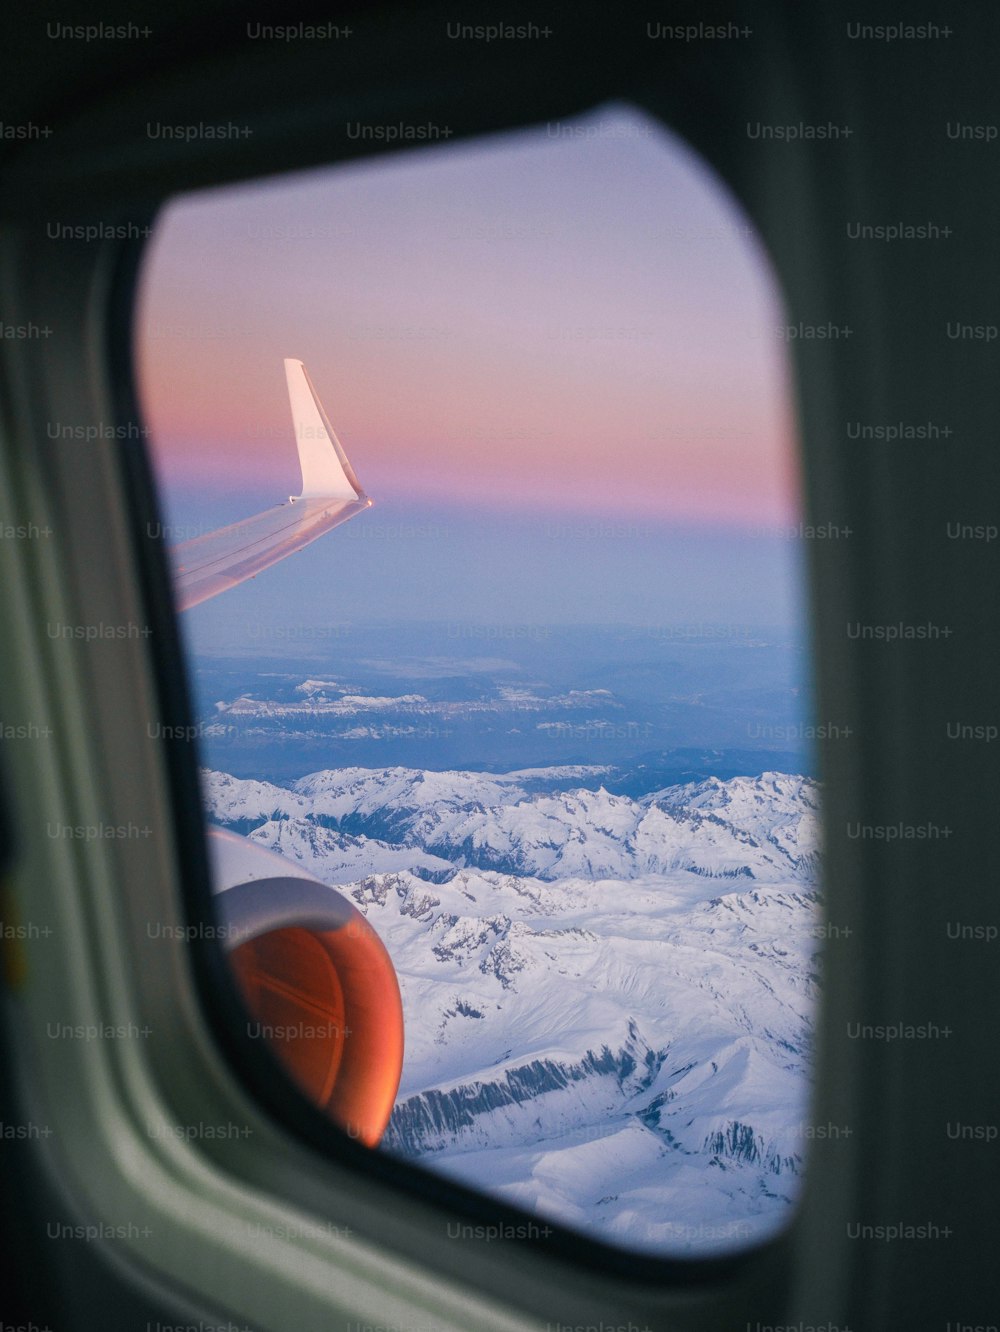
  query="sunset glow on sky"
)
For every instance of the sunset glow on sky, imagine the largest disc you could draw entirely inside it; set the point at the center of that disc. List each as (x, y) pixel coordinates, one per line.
(579, 323)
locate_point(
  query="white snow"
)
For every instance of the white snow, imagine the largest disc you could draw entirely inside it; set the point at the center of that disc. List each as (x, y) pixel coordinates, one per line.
(609, 1002)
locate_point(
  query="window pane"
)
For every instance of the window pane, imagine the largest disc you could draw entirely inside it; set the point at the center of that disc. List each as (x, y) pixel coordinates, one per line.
(542, 714)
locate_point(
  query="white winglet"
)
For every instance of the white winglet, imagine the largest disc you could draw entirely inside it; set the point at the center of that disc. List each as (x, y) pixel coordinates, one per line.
(325, 469)
(331, 494)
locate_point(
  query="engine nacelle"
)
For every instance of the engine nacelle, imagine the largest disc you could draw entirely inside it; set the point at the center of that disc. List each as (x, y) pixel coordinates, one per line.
(318, 981)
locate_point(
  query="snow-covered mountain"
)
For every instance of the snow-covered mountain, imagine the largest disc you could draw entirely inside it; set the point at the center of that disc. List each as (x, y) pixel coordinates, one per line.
(318, 705)
(608, 1001)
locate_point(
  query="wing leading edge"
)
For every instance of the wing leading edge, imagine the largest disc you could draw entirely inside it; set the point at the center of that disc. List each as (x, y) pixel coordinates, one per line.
(331, 494)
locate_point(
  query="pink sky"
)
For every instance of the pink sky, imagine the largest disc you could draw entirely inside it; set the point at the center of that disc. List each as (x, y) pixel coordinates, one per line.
(579, 323)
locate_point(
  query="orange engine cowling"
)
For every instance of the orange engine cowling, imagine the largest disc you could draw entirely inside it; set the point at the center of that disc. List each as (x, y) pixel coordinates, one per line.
(322, 992)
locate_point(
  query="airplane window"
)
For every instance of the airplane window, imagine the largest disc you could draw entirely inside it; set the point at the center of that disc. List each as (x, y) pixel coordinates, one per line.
(509, 766)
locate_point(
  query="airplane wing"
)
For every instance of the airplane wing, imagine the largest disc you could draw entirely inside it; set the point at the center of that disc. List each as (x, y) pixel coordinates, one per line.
(331, 494)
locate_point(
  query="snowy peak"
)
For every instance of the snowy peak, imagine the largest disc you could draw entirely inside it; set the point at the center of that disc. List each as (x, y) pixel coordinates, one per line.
(339, 858)
(764, 829)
